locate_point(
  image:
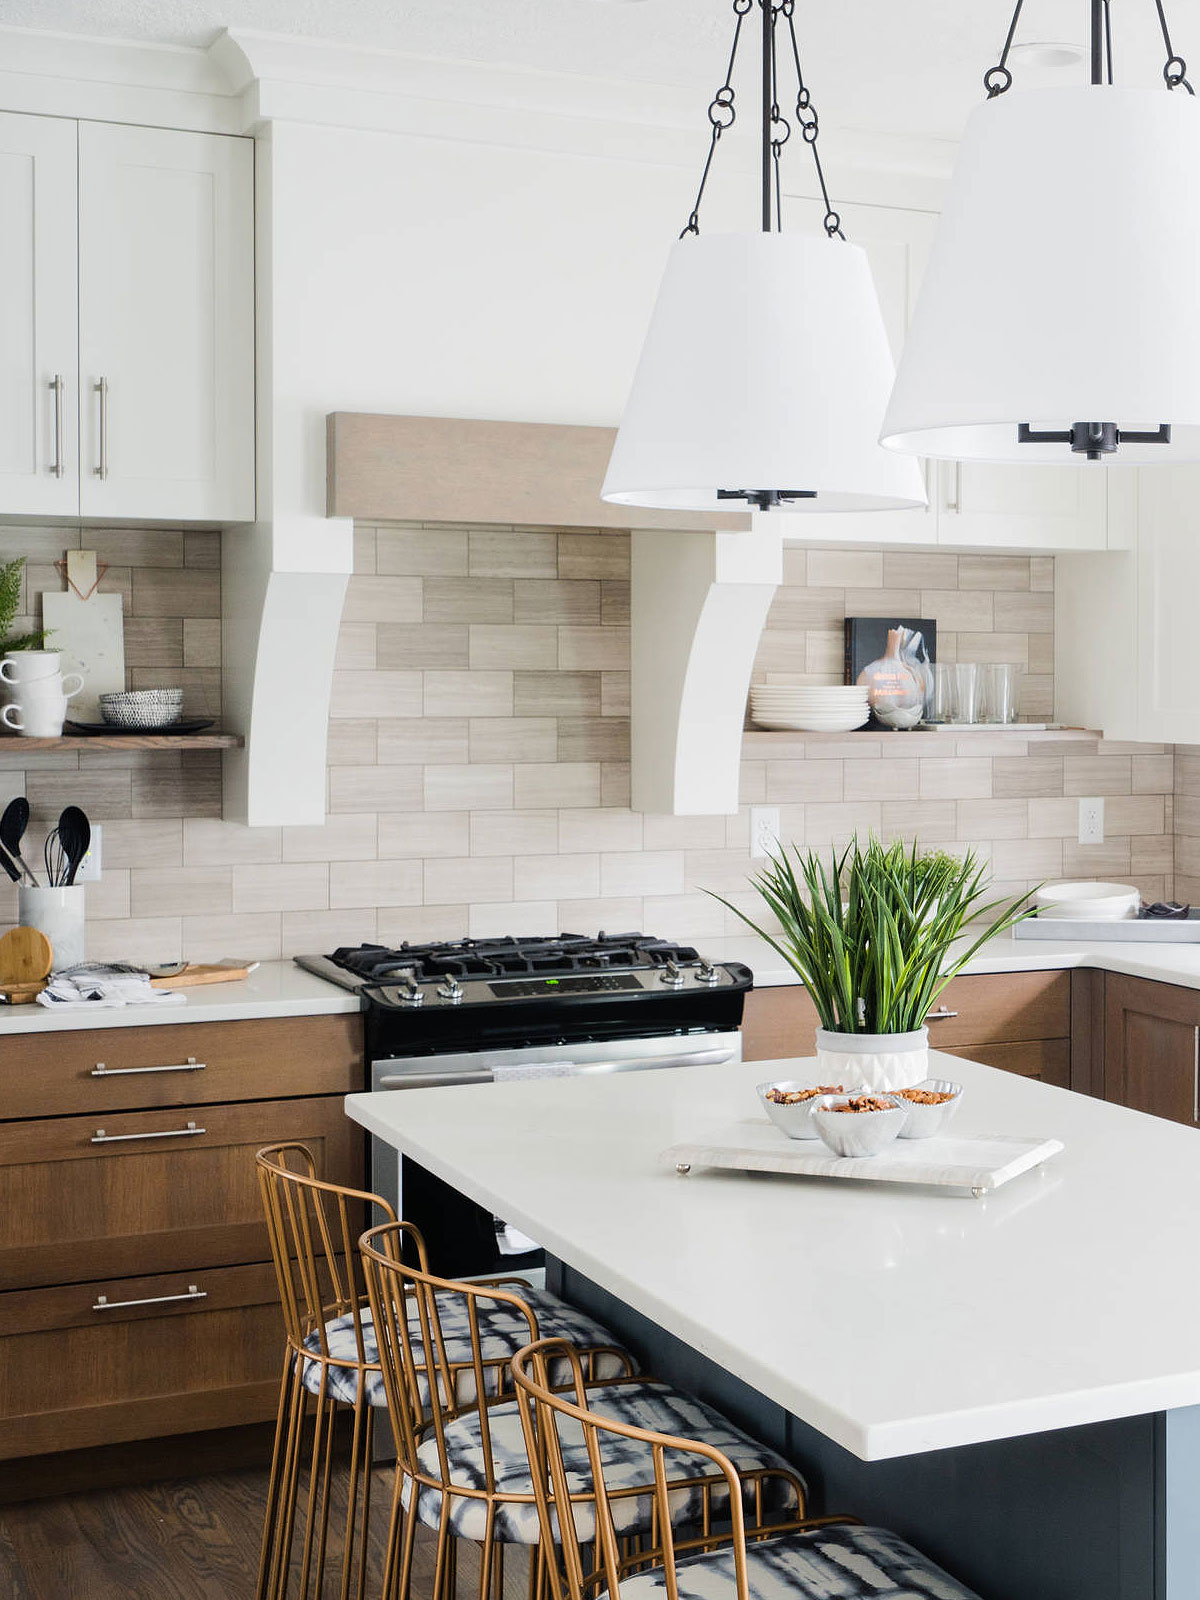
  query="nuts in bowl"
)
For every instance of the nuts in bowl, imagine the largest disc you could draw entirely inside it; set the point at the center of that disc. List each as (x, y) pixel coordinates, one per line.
(859, 1124)
(930, 1106)
(790, 1105)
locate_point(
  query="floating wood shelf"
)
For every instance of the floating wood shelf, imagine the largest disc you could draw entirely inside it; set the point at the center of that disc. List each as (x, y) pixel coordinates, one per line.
(15, 745)
(764, 742)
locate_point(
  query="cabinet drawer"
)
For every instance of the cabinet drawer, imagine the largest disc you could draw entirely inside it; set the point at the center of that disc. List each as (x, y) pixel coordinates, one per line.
(1002, 1008)
(72, 1375)
(116, 1069)
(992, 1009)
(1049, 1060)
(151, 1191)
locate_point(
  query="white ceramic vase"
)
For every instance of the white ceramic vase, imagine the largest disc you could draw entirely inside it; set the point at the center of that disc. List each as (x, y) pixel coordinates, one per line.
(58, 913)
(874, 1060)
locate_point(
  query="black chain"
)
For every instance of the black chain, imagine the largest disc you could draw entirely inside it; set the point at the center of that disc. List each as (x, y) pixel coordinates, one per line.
(998, 79)
(1175, 67)
(721, 114)
(809, 123)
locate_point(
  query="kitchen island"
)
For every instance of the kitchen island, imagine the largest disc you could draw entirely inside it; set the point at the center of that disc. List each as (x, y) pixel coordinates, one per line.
(1011, 1382)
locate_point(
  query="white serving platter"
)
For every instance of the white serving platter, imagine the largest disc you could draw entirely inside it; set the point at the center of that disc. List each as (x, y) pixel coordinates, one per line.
(1123, 930)
(970, 1165)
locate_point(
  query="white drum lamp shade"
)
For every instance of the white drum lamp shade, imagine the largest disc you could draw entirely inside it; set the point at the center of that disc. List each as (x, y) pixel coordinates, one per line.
(1064, 284)
(766, 367)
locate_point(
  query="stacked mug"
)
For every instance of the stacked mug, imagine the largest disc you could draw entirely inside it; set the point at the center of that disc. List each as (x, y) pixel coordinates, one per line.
(38, 692)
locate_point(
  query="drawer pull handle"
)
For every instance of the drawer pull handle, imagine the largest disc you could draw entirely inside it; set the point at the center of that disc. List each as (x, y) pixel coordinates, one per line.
(101, 1071)
(100, 1137)
(103, 1303)
(942, 1014)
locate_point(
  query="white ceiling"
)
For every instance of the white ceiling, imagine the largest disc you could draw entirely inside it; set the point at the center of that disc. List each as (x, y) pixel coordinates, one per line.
(904, 66)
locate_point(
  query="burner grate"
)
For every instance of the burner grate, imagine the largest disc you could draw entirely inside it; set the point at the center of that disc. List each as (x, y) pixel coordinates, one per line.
(512, 957)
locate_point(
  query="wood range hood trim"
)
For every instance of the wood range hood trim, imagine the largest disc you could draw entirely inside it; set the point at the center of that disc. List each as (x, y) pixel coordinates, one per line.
(701, 584)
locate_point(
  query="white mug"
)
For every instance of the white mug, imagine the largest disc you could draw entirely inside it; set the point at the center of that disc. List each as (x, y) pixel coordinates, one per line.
(41, 717)
(23, 666)
(49, 688)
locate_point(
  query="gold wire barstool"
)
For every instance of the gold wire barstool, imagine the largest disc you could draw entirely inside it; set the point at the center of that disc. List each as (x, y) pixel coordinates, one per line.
(313, 1227)
(801, 1558)
(458, 1436)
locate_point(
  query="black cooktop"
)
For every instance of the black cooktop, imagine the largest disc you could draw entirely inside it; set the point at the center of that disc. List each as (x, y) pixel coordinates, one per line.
(496, 958)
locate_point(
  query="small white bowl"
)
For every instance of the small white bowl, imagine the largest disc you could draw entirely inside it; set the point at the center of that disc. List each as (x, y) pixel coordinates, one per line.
(923, 1122)
(794, 1118)
(858, 1133)
(1097, 902)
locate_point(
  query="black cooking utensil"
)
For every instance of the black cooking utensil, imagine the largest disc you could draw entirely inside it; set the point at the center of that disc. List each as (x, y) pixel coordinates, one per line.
(9, 865)
(12, 830)
(53, 859)
(75, 838)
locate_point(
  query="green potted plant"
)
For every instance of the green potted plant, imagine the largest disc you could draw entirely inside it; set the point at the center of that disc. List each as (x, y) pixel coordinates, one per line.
(10, 600)
(875, 934)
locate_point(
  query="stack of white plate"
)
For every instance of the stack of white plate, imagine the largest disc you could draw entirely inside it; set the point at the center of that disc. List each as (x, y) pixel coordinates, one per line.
(813, 709)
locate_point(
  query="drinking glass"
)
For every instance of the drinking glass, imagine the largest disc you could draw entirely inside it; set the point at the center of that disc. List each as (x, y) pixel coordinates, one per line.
(1001, 681)
(941, 701)
(966, 691)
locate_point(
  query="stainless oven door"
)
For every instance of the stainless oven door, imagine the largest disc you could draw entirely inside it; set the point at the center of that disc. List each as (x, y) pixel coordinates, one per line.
(500, 1066)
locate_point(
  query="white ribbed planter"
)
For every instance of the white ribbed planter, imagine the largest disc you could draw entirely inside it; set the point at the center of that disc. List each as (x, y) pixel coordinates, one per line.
(873, 1060)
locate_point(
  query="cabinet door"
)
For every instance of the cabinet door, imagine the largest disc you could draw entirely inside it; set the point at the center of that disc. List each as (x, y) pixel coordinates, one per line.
(1022, 508)
(1168, 580)
(166, 324)
(39, 439)
(1152, 1048)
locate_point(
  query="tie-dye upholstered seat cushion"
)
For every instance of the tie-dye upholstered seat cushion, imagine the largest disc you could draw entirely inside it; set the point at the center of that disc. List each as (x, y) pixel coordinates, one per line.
(504, 1331)
(628, 1464)
(841, 1562)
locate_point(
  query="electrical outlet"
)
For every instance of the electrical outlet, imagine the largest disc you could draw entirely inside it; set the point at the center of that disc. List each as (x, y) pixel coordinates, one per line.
(89, 867)
(764, 831)
(1091, 821)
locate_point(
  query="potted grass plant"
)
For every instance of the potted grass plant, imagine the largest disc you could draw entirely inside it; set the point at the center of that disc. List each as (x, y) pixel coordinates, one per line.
(875, 934)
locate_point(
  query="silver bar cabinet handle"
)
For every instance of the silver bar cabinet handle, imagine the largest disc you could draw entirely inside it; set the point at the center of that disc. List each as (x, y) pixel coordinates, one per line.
(101, 1071)
(56, 389)
(942, 1014)
(103, 1303)
(102, 390)
(190, 1132)
(1196, 1073)
(954, 498)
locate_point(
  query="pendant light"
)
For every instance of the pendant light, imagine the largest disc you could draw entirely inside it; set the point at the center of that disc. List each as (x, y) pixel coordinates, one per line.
(766, 368)
(1059, 319)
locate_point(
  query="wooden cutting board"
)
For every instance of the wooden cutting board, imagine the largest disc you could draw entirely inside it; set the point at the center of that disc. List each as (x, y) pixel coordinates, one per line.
(25, 961)
(198, 972)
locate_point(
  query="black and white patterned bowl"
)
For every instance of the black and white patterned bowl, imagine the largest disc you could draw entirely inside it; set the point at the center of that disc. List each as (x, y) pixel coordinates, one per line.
(142, 708)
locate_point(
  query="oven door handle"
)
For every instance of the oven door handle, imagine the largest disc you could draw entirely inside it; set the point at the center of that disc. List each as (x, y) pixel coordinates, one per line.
(443, 1080)
(431, 1080)
(693, 1058)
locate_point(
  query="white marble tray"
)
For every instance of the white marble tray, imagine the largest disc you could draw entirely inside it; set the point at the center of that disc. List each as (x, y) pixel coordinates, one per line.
(976, 1165)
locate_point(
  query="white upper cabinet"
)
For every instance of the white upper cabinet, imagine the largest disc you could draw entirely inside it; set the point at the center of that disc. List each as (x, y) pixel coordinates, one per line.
(1022, 508)
(166, 324)
(971, 506)
(126, 322)
(39, 401)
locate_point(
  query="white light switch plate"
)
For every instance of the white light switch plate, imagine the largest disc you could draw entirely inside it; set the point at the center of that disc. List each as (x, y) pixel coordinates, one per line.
(89, 867)
(764, 831)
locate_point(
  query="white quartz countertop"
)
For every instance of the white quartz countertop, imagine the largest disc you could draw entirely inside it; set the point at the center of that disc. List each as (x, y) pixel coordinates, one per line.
(894, 1320)
(1168, 963)
(275, 989)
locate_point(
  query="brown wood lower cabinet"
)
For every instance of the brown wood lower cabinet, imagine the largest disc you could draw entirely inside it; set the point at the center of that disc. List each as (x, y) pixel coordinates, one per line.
(1152, 1047)
(137, 1298)
(1018, 1021)
(101, 1363)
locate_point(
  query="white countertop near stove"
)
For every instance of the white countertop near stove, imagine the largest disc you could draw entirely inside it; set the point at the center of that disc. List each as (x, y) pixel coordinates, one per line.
(276, 989)
(894, 1320)
(1168, 963)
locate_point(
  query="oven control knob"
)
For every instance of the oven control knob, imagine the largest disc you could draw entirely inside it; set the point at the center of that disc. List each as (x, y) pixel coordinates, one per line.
(672, 976)
(410, 992)
(707, 972)
(450, 989)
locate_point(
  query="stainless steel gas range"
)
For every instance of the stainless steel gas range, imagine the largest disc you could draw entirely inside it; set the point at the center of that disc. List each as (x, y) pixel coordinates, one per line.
(488, 1011)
